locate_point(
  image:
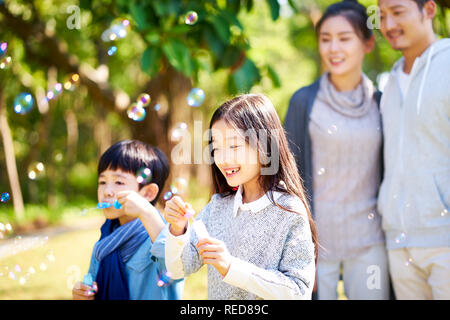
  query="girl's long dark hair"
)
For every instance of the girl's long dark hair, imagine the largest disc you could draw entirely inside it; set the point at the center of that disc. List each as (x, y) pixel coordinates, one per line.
(256, 114)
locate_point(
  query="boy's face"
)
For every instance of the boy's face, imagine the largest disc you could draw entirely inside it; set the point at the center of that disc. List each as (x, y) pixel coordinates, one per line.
(403, 24)
(110, 182)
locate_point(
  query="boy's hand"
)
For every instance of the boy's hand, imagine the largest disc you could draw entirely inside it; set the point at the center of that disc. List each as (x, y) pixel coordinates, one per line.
(81, 291)
(176, 212)
(215, 253)
(133, 204)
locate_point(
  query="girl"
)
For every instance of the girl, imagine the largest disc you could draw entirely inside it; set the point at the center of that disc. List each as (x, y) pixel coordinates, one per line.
(335, 133)
(261, 242)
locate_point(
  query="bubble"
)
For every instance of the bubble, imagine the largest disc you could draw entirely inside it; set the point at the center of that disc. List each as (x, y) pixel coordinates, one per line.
(112, 51)
(36, 171)
(143, 100)
(332, 129)
(165, 279)
(18, 268)
(23, 103)
(178, 132)
(5, 62)
(179, 185)
(4, 197)
(191, 18)
(136, 112)
(31, 270)
(400, 238)
(43, 266)
(144, 175)
(50, 256)
(71, 82)
(196, 97)
(12, 275)
(119, 30)
(22, 281)
(444, 212)
(55, 92)
(321, 171)
(370, 216)
(168, 195)
(3, 48)
(8, 228)
(408, 262)
(157, 107)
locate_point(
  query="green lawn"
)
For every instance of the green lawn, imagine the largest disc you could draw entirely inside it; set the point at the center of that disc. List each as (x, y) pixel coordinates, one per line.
(71, 253)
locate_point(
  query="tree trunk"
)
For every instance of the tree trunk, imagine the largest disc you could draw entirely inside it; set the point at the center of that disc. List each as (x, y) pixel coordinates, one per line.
(10, 160)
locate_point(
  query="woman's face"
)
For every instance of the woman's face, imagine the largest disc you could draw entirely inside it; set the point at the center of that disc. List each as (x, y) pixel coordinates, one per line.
(340, 47)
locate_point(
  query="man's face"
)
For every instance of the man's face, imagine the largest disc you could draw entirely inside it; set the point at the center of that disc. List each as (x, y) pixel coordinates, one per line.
(402, 23)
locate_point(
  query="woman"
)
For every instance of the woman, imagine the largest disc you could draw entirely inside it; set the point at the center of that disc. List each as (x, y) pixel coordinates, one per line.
(334, 129)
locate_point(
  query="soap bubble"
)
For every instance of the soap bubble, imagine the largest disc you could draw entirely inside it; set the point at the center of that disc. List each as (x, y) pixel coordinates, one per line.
(43, 266)
(157, 107)
(168, 195)
(3, 48)
(18, 268)
(165, 279)
(50, 257)
(400, 238)
(4, 198)
(321, 171)
(144, 175)
(196, 97)
(178, 132)
(332, 129)
(444, 212)
(191, 18)
(23, 103)
(143, 100)
(71, 82)
(22, 281)
(179, 185)
(136, 112)
(370, 216)
(5, 62)
(112, 51)
(12, 275)
(54, 92)
(36, 171)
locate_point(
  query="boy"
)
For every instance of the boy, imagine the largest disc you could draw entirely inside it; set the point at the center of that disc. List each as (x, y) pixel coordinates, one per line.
(128, 260)
(414, 197)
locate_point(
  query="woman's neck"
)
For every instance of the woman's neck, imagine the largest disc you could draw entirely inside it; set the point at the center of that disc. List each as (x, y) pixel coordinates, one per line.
(346, 82)
(252, 191)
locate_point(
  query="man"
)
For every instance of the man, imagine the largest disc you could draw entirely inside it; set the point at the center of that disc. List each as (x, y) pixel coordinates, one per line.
(414, 197)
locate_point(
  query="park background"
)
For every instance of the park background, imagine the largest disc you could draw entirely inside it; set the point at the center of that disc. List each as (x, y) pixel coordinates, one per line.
(48, 156)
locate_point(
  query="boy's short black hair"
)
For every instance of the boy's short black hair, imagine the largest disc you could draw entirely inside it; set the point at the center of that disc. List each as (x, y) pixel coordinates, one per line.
(132, 155)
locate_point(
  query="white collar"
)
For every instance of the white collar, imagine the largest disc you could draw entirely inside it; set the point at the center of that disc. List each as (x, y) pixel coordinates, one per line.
(253, 206)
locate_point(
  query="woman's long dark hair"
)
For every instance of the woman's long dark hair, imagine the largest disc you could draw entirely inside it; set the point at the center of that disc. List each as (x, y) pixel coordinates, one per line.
(256, 114)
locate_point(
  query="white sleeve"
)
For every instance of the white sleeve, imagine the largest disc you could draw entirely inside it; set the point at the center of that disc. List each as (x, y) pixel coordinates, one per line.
(173, 250)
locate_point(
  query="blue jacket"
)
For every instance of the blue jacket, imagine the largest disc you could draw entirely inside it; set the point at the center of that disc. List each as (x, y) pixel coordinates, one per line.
(143, 271)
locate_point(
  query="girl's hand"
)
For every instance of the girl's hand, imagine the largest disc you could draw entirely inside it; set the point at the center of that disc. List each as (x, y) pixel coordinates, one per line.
(215, 253)
(82, 291)
(176, 212)
(133, 204)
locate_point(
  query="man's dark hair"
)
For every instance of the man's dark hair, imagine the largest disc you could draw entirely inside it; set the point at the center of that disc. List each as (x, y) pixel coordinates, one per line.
(133, 155)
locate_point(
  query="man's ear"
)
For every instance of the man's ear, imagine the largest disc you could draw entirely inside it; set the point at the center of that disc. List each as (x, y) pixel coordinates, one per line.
(429, 9)
(149, 191)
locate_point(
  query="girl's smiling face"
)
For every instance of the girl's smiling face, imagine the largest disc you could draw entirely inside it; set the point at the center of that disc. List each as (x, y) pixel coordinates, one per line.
(110, 182)
(236, 159)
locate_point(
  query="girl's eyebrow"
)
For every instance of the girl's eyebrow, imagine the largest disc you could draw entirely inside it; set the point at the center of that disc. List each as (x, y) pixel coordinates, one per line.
(340, 33)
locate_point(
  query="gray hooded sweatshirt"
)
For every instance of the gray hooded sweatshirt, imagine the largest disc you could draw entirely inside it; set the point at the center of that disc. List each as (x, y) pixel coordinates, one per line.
(414, 198)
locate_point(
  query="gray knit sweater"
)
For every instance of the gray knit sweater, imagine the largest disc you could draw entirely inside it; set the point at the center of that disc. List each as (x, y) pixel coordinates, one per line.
(272, 249)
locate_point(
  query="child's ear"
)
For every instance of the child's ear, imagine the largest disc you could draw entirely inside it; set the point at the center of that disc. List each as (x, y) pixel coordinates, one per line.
(149, 191)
